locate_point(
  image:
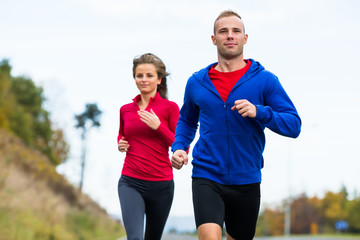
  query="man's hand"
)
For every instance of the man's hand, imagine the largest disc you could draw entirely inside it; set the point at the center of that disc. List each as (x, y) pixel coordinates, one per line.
(179, 158)
(245, 108)
(150, 119)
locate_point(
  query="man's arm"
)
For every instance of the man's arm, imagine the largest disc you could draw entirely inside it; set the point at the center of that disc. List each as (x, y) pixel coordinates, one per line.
(278, 112)
(188, 121)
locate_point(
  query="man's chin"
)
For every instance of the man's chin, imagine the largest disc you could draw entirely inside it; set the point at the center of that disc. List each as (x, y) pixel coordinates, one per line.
(229, 56)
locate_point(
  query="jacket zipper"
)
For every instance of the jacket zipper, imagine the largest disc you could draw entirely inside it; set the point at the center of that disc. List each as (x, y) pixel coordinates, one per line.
(228, 144)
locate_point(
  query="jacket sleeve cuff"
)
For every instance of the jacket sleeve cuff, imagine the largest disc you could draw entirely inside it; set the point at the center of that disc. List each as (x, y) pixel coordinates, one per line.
(263, 113)
(177, 146)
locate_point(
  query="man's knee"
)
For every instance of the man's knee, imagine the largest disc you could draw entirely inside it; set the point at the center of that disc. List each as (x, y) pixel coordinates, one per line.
(209, 231)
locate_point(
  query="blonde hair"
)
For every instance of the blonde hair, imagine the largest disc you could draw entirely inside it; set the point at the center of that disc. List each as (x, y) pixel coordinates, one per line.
(228, 13)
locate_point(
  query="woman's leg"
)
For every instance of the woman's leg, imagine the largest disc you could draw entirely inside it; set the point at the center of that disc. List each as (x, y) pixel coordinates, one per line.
(158, 202)
(133, 210)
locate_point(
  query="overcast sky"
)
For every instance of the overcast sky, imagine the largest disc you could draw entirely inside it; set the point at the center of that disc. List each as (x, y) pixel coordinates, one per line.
(81, 51)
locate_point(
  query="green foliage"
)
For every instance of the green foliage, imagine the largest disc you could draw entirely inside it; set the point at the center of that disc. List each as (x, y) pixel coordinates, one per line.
(91, 115)
(21, 124)
(6, 99)
(22, 112)
(353, 209)
(28, 95)
(334, 207)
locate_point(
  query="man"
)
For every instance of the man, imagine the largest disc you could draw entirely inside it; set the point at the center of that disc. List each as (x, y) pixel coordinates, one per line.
(233, 100)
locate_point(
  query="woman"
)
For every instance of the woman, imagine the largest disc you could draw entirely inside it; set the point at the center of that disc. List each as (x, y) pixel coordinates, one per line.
(147, 129)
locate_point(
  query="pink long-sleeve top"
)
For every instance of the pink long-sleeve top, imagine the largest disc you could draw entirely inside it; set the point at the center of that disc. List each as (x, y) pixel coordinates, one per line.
(148, 155)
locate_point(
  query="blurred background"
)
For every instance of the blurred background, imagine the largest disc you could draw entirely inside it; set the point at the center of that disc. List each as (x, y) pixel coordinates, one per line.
(78, 52)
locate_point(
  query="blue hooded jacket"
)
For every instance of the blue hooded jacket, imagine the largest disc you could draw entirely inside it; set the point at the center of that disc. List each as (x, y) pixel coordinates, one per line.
(230, 147)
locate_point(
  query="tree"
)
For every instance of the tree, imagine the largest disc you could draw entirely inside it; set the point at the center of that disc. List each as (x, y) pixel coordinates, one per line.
(334, 207)
(270, 222)
(86, 120)
(353, 208)
(22, 112)
(6, 97)
(305, 212)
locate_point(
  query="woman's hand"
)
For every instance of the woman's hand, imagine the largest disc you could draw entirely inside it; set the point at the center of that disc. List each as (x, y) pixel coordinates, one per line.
(123, 145)
(150, 119)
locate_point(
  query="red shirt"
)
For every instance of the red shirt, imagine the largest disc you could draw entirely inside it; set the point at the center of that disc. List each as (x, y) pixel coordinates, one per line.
(225, 81)
(148, 155)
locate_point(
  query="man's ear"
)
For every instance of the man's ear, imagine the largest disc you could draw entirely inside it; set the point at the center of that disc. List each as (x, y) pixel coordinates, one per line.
(245, 38)
(213, 39)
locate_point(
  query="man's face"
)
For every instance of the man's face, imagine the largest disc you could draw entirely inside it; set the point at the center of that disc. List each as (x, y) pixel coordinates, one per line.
(229, 37)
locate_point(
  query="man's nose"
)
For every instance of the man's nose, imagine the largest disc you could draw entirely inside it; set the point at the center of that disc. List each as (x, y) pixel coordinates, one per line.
(230, 35)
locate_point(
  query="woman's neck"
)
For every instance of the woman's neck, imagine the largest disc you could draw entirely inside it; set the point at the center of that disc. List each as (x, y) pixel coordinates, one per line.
(145, 99)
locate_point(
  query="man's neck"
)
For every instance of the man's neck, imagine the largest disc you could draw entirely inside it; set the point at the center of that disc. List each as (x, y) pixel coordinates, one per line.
(231, 65)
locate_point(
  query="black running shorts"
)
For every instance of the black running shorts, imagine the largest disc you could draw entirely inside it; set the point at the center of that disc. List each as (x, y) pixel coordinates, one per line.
(235, 205)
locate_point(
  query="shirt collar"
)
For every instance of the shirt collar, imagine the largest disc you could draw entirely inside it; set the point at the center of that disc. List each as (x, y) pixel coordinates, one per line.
(152, 99)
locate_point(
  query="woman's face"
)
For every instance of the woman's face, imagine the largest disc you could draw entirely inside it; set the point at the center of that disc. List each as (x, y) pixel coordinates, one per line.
(147, 79)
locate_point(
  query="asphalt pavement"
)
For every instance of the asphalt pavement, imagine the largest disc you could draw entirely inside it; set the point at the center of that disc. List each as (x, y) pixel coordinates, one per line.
(188, 237)
(307, 238)
(173, 237)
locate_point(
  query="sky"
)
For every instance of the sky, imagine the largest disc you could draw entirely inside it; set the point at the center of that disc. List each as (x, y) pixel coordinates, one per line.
(81, 51)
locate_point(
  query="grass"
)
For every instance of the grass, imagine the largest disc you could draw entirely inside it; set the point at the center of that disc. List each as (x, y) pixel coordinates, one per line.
(36, 203)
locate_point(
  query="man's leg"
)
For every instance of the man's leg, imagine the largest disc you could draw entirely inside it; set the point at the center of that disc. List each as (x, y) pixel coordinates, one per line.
(228, 237)
(209, 231)
(241, 211)
(209, 209)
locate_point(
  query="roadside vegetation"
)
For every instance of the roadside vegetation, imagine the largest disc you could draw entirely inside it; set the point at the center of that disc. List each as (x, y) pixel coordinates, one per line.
(314, 215)
(36, 202)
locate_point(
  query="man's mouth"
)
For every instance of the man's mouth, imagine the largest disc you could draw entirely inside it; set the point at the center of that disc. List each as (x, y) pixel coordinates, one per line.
(230, 44)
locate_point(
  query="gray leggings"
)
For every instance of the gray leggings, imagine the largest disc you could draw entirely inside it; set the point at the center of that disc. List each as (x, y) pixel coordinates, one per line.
(139, 198)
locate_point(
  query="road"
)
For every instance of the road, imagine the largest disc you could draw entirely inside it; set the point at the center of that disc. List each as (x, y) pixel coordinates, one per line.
(306, 238)
(172, 237)
(187, 237)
